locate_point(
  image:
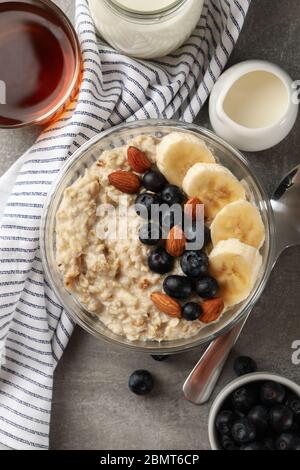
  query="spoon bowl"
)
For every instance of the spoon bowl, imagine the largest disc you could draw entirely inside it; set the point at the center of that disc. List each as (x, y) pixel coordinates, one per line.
(286, 207)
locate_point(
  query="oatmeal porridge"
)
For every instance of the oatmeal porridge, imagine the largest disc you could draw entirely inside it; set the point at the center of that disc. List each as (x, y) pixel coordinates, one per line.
(115, 277)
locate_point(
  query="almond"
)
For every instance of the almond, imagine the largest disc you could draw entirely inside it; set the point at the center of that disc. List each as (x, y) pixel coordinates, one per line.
(212, 310)
(166, 304)
(125, 181)
(138, 160)
(191, 209)
(176, 241)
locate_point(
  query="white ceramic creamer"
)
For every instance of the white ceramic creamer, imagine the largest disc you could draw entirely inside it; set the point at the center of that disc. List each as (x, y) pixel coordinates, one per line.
(251, 105)
(146, 28)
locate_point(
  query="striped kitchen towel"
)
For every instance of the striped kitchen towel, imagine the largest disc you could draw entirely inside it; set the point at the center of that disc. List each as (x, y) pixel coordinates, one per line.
(34, 329)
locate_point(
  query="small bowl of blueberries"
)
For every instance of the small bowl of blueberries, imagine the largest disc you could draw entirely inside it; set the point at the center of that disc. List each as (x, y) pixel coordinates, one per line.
(257, 411)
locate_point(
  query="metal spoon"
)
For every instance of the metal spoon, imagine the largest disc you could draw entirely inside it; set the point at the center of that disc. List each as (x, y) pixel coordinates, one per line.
(201, 382)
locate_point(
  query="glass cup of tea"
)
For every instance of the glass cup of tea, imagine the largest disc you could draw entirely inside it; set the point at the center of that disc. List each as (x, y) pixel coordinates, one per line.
(40, 62)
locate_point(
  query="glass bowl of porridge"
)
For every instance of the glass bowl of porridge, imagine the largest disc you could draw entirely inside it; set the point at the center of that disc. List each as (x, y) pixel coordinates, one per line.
(106, 283)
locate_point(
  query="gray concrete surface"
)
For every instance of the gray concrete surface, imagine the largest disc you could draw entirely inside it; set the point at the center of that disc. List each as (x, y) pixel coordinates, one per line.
(92, 408)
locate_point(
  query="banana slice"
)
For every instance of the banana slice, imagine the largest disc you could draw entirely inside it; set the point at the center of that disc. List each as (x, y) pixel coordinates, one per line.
(214, 185)
(241, 220)
(236, 267)
(177, 152)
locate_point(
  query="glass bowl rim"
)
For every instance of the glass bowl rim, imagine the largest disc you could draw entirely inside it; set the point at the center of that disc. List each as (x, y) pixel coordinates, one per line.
(254, 296)
(74, 40)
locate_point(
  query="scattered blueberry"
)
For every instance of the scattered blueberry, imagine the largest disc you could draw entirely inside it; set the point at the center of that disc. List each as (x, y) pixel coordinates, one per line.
(194, 263)
(154, 181)
(243, 399)
(171, 194)
(228, 443)
(206, 287)
(224, 421)
(272, 393)
(243, 431)
(259, 416)
(191, 311)
(281, 418)
(150, 234)
(160, 261)
(244, 365)
(141, 382)
(144, 203)
(159, 358)
(287, 441)
(179, 287)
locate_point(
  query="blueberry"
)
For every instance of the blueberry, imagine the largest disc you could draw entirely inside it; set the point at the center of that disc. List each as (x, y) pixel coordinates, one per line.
(144, 203)
(191, 311)
(192, 231)
(171, 194)
(272, 393)
(227, 443)
(150, 234)
(281, 418)
(268, 443)
(207, 287)
(141, 382)
(224, 421)
(252, 446)
(244, 365)
(240, 414)
(179, 287)
(159, 358)
(168, 221)
(160, 261)
(243, 431)
(243, 399)
(295, 429)
(259, 416)
(154, 181)
(295, 407)
(194, 263)
(290, 397)
(287, 441)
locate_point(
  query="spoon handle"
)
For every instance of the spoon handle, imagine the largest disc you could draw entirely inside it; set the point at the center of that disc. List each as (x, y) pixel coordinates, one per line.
(201, 382)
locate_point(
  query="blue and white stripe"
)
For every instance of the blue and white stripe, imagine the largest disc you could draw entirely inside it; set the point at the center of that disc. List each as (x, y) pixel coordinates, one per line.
(34, 329)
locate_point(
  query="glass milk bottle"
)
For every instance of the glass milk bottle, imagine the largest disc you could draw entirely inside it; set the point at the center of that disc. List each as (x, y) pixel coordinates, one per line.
(146, 28)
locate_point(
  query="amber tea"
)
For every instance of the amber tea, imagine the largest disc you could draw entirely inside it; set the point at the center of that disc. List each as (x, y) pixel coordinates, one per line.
(39, 61)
